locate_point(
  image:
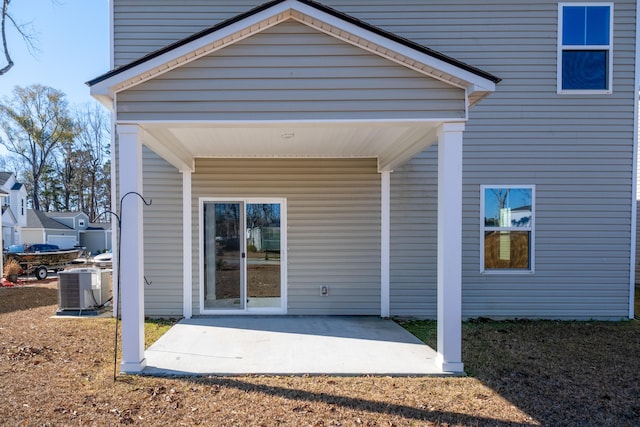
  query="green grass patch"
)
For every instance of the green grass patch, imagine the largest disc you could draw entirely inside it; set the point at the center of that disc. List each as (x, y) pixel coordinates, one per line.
(425, 330)
(155, 328)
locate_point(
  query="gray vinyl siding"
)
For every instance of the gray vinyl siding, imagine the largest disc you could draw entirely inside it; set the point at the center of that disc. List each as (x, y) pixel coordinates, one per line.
(291, 72)
(333, 225)
(576, 149)
(578, 152)
(414, 234)
(162, 237)
(142, 26)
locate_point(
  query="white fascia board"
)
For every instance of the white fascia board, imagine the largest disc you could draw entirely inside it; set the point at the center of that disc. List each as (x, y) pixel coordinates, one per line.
(278, 123)
(333, 26)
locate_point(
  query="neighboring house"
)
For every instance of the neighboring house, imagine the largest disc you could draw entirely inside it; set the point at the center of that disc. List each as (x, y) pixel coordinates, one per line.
(96, 238)
(435, 159)
(67, 230)
(10, 231)
(43, 229)
(14, 215)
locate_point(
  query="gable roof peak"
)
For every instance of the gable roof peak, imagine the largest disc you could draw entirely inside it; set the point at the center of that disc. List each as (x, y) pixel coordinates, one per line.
(308, 12)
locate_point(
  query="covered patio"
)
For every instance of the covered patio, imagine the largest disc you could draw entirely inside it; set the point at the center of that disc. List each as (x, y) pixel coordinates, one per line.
(335, 109)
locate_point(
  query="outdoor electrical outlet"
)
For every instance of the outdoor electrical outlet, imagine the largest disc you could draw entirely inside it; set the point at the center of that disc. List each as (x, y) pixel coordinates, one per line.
(324, 290)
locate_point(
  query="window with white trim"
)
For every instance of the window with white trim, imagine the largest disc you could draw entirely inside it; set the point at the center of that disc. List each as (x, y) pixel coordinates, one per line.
(507, 228)
(585, 33)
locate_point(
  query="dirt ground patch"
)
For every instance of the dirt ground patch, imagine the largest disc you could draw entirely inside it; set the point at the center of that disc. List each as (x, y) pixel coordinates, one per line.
(59, 372)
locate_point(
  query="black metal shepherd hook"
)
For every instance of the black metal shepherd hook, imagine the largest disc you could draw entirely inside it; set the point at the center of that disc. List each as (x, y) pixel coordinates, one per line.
(119, 298)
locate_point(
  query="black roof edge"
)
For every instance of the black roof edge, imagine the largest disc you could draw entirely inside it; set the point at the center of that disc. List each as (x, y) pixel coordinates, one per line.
(310, 3)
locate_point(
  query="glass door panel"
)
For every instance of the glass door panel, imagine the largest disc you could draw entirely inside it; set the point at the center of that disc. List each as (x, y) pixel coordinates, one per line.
(263, 255)
(223, 260)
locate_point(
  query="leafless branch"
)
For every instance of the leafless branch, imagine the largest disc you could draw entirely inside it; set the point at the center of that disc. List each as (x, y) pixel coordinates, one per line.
(25, 31)
(3, 33)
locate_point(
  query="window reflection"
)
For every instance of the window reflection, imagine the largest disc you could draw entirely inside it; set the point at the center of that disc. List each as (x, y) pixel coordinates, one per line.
(508, 223)
(507, 207)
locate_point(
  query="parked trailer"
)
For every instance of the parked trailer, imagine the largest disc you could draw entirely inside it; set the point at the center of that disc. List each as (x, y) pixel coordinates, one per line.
(39, 263)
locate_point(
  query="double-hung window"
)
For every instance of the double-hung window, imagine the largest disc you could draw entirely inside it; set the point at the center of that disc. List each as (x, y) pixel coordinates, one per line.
(585, 33)
(507, 228)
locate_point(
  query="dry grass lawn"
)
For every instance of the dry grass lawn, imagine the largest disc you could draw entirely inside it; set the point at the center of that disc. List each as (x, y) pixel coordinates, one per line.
(59, 372)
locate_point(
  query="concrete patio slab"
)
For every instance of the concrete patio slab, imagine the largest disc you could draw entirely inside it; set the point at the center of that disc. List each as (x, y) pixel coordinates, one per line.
(289, 345)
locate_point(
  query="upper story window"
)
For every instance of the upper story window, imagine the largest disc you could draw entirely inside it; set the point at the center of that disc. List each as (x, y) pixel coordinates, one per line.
(81, 223)
(507, 228)
(22, 207)
(585, 33)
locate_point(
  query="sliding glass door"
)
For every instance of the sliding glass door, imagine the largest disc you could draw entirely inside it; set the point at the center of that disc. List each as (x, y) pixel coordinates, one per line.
(263, 272)
(242, 255)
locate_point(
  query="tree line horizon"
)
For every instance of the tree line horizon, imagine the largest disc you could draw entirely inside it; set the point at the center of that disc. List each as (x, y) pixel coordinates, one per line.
(60, 153)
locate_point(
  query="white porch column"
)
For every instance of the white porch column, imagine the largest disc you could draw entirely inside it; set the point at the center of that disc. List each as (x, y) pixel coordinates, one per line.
(132, 249)
(450, 247)
(187, 307)
(385, 239)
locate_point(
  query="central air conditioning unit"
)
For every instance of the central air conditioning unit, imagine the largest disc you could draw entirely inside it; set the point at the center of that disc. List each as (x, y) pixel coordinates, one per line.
(83, 288)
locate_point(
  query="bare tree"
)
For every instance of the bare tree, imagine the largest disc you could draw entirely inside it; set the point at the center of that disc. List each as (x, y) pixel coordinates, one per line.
(35, 121)
(66, 168)
(92, 144)
(501, 196)
(23, 29)
(3, 30)
(103, 190)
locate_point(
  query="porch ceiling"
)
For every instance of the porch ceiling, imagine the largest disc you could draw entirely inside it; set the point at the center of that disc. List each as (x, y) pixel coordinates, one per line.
(392, 143)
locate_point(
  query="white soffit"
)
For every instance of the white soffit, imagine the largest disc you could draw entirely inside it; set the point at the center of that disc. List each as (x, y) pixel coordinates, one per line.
(475, 85)
(391, 142)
